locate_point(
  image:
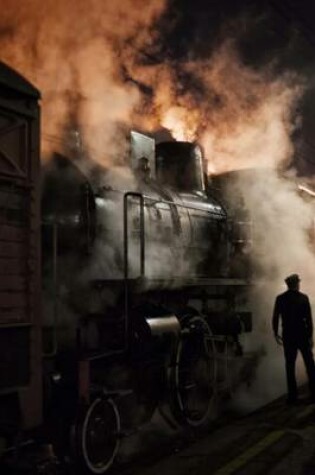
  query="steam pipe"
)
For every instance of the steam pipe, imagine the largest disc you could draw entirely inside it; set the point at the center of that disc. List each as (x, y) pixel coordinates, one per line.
(126, 256)
(171, 203)
(142, 237)
(88, 219)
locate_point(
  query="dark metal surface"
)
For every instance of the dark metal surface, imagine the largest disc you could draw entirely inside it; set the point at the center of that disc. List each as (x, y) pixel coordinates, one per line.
(20, 319)
(16, 83)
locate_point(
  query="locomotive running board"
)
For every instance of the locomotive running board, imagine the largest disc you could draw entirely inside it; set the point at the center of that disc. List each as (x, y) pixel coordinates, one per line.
(173, 283)
(177, 282)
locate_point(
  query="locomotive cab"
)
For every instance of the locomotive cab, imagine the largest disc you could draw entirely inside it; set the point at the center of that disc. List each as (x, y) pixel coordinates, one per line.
(181, 166)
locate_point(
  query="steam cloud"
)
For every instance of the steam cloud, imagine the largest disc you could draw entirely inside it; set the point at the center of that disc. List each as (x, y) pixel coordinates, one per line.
(74, 52)
(281, 221)
(86, 58)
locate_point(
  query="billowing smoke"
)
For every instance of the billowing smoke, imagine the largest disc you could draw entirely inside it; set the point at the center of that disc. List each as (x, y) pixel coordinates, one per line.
(243, 117)
(88, 60)
(256, 117)
(74, 52)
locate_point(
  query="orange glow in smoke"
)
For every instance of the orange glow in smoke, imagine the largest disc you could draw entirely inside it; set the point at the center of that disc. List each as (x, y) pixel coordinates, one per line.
(181, 123)
(75, 52)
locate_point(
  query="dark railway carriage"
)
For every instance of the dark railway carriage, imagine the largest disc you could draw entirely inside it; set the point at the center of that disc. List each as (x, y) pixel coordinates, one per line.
(20, 323)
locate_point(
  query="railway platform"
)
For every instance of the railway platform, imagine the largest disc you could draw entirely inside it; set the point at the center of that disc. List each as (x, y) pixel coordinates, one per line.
(277, 439)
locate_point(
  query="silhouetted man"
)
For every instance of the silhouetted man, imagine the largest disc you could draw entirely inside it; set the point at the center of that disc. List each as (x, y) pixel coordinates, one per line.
(297, 331)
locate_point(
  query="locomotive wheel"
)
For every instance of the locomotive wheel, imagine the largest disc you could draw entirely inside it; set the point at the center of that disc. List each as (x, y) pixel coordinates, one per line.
(194, 374)
(97, 436)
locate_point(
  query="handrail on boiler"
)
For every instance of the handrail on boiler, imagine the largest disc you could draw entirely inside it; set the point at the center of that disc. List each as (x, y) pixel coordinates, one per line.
(127, 196)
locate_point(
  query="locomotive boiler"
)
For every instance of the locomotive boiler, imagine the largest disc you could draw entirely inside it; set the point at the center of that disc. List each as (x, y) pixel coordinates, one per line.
(173, 227)
(141, 309)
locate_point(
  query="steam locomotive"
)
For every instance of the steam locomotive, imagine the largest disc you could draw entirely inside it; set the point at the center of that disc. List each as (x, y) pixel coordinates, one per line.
(119, 298)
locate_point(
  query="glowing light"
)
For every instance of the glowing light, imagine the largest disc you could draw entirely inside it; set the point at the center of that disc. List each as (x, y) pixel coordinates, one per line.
(181, 123)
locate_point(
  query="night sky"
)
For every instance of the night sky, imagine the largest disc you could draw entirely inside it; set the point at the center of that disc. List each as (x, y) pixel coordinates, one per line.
(278, 32)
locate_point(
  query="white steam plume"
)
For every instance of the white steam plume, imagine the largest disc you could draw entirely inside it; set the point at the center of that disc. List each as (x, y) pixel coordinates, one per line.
(281, 221)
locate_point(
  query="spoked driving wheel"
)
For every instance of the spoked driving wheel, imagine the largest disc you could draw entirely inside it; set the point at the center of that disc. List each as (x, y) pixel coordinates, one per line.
(194, 374)
(97, 436)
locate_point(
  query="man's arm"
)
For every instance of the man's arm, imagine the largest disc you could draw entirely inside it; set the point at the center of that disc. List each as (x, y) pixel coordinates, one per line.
(308, 318)
(275, 320)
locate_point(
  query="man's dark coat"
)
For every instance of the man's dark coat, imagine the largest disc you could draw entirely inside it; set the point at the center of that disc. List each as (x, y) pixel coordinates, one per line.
(294, 309)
